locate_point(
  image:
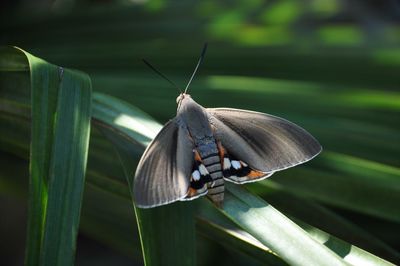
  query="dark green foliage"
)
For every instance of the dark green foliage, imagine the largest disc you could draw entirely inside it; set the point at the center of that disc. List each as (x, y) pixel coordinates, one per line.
(60, 126)
(337, 80)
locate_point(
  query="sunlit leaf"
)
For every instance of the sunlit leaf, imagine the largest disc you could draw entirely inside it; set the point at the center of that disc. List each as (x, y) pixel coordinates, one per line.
(60, 126)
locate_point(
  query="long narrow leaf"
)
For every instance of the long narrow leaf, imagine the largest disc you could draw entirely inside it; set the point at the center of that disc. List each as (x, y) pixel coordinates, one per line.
(60, 123)
(67, 169)
(284, 237)
(310, 212)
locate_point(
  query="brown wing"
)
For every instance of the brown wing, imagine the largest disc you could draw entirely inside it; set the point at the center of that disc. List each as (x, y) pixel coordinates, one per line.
(163, 173)
(264, 142)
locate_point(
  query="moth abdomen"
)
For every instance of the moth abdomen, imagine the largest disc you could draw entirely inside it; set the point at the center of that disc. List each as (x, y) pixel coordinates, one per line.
(216, 187)
(209, 156)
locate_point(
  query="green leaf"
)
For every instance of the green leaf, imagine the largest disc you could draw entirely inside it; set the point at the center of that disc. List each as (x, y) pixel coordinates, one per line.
(348, 252)
(349, 182)
(60, 117)
(310, 212)
(216, 226)
(287, 239)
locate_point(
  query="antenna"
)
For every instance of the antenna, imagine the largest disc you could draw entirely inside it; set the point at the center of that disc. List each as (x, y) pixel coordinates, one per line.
(197, 66)
(159, 73)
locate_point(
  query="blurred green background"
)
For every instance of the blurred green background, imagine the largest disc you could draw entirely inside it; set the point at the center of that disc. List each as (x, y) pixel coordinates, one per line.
(332, 67)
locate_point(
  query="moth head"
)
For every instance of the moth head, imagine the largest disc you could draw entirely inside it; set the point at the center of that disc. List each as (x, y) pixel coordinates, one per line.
(181, 97)
(183, 100)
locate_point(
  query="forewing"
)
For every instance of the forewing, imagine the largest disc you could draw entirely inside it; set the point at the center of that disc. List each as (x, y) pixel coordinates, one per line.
(266, 143)
(163, 173)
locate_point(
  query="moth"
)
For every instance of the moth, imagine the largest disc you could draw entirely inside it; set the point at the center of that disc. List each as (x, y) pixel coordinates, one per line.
(200, 149)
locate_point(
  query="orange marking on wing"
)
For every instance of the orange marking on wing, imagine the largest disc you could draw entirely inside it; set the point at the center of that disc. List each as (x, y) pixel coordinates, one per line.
(197, 156)
(255, 174)
(191, 192)
(221, 151)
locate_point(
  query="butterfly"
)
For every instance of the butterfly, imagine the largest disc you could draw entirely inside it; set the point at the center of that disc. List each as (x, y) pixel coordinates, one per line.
(200, 149)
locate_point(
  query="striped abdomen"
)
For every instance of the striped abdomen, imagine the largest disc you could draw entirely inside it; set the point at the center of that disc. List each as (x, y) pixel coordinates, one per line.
(216, 187)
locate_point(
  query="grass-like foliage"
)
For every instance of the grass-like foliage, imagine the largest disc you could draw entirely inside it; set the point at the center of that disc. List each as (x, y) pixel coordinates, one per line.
(60, 112)
(45, 118)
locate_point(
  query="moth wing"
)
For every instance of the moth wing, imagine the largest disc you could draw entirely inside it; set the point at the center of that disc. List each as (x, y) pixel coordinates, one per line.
(163, 173)
(266, 143)
(239, 172)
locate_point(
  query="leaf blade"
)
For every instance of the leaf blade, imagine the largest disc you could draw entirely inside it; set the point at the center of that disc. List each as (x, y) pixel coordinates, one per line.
(280, 234)
(54, 166)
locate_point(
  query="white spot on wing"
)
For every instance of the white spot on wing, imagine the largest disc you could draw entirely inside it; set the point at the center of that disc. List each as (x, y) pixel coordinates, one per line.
(236, 164)
(227, 163)
(203, 170)
(244, 164)
(196, 175)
